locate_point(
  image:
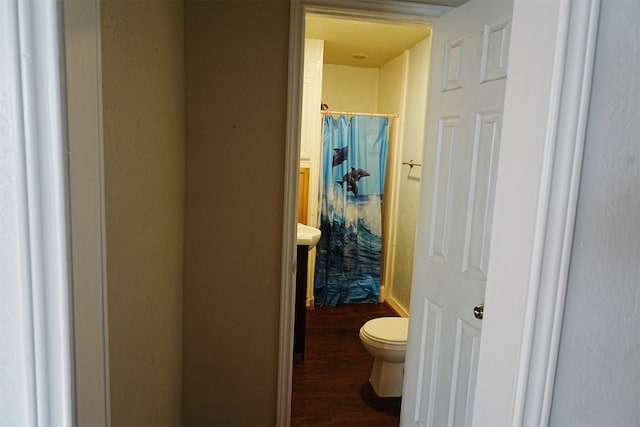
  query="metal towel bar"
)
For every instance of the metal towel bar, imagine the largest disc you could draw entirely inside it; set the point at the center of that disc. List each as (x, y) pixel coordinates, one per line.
(411, 164)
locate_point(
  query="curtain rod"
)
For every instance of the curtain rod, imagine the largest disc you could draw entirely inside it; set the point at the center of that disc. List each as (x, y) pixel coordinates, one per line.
(351, 113)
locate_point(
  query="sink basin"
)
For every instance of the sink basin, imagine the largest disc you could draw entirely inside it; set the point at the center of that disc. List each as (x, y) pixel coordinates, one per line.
(308, 236)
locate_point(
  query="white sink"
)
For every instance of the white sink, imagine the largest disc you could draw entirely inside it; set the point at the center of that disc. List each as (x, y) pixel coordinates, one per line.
(308, 236)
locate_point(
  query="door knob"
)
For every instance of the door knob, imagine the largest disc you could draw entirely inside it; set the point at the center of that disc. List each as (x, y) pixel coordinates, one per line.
(478, 311)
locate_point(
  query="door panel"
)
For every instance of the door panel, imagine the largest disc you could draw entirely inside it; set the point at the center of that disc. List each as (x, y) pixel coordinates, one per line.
(486, 144)
(431, 327)
(465, 363)
(464, 117)
(443, 187)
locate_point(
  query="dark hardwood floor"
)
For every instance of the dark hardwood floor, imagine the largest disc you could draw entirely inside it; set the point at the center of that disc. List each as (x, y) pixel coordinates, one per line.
(331, 386)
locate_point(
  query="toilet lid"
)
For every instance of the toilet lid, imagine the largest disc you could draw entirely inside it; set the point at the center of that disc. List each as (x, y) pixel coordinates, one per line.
(389, 329)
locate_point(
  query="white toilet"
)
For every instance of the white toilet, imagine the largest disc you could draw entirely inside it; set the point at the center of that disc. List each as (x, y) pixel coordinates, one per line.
(386, 339)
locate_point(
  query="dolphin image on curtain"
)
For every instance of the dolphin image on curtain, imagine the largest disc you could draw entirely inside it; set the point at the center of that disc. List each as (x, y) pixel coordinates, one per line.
(349, 253)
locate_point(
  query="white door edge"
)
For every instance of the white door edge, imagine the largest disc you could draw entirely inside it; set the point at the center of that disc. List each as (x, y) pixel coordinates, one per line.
(525, 296)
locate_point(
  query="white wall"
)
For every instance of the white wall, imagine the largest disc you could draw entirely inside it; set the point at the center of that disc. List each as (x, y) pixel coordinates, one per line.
(597, 381)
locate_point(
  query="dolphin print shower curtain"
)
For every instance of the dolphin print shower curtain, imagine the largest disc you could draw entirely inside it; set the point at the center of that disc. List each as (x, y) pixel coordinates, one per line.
(349, 253)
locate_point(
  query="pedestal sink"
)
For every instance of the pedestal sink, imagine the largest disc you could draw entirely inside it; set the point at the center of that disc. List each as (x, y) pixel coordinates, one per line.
(307, 240)
(308, 236)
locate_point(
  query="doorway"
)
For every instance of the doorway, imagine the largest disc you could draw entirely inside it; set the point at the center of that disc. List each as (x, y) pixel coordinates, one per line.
(365, 67)
(348, 68)
(419, 16)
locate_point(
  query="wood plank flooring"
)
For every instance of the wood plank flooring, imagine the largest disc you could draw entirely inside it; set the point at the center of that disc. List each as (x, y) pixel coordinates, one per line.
(331, 386)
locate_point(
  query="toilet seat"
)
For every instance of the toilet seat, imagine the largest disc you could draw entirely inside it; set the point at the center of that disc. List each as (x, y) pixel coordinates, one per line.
(387, 330)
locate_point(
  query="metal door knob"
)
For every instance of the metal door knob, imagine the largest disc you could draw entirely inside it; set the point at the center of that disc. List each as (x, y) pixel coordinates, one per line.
(478, 311)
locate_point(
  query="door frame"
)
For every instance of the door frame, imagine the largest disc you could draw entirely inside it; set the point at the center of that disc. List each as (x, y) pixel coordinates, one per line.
(36, 365)
(81, 46)
(380, 11)
(51, 108)
(535, 203)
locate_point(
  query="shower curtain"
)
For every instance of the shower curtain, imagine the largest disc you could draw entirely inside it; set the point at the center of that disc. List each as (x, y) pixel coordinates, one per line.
(349, 253)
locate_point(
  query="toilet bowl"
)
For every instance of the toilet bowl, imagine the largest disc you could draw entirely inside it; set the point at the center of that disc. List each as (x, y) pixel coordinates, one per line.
(386, 339)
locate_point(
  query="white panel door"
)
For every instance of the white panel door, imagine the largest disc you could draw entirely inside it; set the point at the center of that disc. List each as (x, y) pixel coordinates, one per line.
(466, 95)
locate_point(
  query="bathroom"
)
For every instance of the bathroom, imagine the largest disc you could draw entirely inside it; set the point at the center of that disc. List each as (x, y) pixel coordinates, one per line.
(381, 69)
(370, 68)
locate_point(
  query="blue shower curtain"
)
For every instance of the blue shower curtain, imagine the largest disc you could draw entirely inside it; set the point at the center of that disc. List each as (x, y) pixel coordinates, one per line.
(349, 253)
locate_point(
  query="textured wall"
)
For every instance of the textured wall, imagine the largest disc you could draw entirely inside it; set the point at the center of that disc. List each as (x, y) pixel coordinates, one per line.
(236, 81)
(597, 382)
(143, 91)
(409, 179)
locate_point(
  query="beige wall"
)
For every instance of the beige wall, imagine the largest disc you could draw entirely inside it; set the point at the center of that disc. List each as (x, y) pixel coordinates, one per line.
(390, 84)
(236, 81)
(409, 179)
(347, 88)
(390, 100)
(143, 91)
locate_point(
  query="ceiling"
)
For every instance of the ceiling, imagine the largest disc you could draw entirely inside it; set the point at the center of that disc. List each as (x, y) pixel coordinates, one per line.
(378, 42)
